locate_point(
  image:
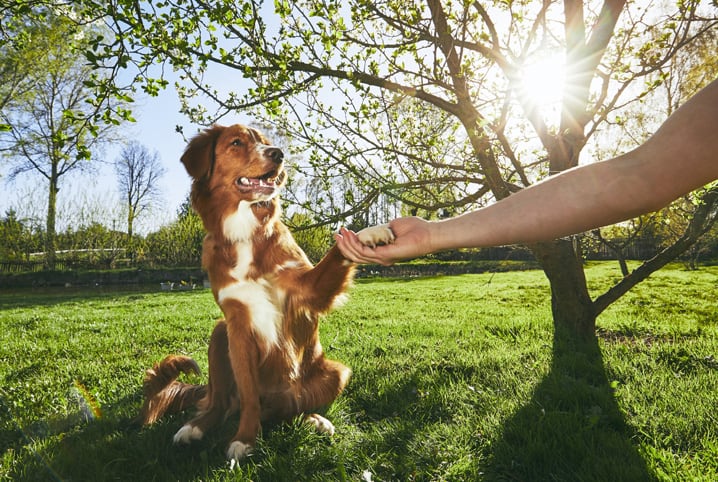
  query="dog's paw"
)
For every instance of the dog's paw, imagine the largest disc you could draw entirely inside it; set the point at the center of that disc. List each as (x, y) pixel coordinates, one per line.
(374, 236)
(237, 451)
(187, 434)
(321, 424)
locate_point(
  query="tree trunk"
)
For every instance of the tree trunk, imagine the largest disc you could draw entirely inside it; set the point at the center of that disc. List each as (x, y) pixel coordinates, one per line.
(50, 241)
(622, 263)
(571, 305)
(130, 222)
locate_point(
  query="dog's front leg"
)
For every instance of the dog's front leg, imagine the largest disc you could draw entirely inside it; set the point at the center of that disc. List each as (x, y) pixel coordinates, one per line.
(329, 279)
(244, 358)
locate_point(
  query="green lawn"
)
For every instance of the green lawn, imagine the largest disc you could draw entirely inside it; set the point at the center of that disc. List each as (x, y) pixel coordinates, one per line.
(455, 378)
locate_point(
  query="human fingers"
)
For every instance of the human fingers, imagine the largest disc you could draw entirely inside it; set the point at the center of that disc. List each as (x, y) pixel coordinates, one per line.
(348, 246)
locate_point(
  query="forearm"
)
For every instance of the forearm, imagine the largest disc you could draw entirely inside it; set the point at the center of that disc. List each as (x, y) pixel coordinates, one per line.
(571, 202)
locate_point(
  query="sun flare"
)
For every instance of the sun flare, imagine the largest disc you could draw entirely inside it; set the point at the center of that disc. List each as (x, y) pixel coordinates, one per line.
(542, 80)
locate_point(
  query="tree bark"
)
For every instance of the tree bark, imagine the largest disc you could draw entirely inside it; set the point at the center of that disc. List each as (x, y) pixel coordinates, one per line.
(130, 221)
(50, 224)
(571, 305)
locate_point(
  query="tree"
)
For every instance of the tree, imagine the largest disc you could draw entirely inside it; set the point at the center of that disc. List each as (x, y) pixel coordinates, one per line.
(333, 73)
(14, 66)
(138, 172)
(57, 122)
(623, 237)
(179, 243)
(703, 219)
(17, 240)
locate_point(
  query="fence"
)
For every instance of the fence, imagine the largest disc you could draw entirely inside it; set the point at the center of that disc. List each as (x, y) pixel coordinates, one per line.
(64, 265)
(21, 266)
(90, 259)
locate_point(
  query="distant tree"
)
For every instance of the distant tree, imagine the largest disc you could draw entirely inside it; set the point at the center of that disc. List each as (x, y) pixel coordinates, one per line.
(185, 209)
(138, 172)
(58, 121)
(180, 242)
(621, 238)
(677, 218)
(91, 244)
(17, 240)
(315, 241)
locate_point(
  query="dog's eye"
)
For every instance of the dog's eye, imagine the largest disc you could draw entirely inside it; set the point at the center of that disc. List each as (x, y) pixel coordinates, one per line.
(237, 143)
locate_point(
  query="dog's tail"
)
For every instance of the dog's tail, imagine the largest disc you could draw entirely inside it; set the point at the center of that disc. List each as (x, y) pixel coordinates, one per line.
(164, 394)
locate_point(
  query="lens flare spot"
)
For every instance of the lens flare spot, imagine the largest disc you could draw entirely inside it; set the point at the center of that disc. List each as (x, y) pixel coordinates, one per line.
(88, 404)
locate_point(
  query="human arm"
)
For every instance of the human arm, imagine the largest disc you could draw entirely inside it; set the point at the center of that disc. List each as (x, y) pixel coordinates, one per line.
(680, 157)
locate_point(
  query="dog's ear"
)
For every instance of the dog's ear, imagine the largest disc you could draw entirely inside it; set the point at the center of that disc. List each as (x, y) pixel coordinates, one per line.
(198, 157)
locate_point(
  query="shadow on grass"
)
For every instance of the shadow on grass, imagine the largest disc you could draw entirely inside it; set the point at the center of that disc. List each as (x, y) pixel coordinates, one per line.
(109, 448)
(572, 429)
(116, 448)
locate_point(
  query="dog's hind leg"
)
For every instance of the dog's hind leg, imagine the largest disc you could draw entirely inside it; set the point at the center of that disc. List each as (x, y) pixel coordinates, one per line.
(217, 403)
(322, 385)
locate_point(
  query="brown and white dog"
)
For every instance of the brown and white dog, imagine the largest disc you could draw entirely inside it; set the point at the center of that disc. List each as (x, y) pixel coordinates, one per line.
(265, 358)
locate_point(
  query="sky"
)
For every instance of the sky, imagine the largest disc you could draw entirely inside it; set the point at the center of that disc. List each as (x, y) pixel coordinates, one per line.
(155, 129)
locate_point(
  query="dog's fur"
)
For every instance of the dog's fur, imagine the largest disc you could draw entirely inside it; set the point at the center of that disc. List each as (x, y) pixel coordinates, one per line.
(265, 358)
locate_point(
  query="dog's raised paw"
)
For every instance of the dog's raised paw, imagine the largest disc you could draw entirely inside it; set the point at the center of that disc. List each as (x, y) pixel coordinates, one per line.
(321, 424)
(374, 236)
(187, 434)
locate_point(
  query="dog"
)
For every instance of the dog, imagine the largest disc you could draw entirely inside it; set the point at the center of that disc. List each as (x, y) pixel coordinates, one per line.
(265, 358)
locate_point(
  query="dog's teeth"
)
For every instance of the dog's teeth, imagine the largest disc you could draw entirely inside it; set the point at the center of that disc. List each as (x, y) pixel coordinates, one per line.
(244, 181)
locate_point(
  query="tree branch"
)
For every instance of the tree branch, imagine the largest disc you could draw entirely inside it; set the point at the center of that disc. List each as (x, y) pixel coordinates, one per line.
(703, 219)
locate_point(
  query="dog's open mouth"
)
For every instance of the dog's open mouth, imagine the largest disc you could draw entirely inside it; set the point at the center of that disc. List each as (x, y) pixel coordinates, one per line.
(264, 184)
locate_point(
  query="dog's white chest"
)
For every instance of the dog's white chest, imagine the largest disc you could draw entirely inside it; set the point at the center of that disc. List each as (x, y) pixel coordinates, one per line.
(258, 298)
(241, 224)
(244, 255)
(261, 299)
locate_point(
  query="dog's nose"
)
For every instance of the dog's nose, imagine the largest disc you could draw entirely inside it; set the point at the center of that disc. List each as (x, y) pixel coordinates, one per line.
(275, 154)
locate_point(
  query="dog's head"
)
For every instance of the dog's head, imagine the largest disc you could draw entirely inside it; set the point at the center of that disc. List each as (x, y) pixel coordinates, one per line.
(237, 160)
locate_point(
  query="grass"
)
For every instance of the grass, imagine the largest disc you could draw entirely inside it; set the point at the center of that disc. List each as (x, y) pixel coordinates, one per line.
(455, 378)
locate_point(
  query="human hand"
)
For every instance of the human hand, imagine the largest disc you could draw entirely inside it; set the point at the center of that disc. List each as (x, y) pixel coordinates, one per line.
(412, 239)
